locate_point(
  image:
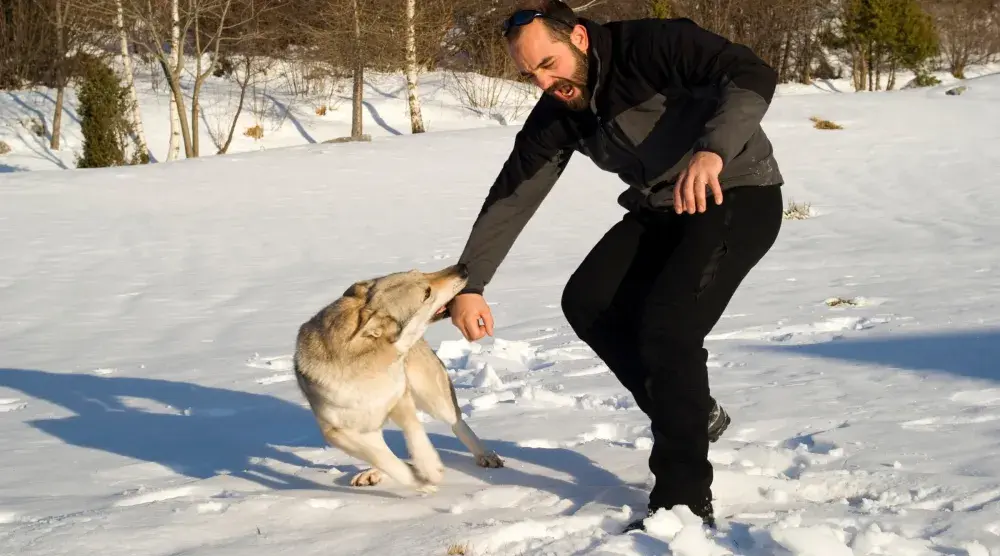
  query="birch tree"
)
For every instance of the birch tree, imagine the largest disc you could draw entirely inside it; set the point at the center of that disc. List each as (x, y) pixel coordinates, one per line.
(202, 27)
(416, 119)
(139, 134)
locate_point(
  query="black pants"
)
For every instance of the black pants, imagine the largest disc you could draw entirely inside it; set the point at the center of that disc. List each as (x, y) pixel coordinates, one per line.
(644, 299)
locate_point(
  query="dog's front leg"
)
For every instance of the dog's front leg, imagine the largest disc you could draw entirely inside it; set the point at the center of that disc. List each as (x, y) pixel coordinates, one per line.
(425, 458)
(370, 447)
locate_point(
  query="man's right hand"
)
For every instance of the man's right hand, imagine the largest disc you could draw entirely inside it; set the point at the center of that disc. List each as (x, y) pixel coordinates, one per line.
(466, 311)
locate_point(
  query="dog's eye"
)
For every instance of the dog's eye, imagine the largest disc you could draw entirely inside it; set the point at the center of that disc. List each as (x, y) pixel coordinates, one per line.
(427, 294)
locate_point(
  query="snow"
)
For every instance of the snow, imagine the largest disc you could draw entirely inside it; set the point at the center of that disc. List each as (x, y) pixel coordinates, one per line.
(147, 404)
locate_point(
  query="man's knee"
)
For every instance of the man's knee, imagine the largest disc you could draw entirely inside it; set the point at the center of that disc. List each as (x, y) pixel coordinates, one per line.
(578, 305)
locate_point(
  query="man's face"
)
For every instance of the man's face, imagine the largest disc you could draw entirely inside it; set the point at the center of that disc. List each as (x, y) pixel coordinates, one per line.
(558, 68)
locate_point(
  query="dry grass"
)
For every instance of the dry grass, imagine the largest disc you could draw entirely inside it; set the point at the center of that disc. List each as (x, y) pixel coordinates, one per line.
(256, 132)
(820, 123)
(4, 148)
(321, 111)
(797, 211)
(459, 550)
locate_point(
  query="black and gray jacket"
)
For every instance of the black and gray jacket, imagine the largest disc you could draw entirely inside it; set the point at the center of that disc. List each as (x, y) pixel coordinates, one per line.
(662, 89)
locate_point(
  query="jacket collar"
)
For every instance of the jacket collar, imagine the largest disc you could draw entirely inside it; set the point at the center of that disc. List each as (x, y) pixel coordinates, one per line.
(599, 56)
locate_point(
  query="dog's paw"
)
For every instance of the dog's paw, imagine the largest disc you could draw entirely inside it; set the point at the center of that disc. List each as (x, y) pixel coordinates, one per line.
(426, 488)
(489, 459)
(368, 477)
(431, 472)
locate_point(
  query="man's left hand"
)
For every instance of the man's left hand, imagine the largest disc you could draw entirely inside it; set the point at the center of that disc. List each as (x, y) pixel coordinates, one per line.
(703, 171)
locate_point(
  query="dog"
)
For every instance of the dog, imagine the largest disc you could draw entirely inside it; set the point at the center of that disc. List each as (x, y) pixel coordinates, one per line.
(362, 359)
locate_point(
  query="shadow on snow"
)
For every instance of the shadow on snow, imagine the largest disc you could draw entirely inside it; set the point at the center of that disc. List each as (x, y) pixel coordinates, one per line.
(201, 431)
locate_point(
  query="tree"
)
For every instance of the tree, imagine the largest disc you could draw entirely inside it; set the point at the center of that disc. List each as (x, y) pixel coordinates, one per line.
(199, 26)
(969, 31)
(103, 116)
(416, 120)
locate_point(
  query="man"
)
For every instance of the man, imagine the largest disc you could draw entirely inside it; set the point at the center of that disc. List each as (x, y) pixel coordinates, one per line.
(675, 111)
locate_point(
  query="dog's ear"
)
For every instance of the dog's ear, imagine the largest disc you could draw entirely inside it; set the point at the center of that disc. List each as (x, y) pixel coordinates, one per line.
(373, 325)
(359, 290)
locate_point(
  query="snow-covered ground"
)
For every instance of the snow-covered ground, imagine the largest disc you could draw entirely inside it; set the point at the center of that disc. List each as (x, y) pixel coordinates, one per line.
(148, 315)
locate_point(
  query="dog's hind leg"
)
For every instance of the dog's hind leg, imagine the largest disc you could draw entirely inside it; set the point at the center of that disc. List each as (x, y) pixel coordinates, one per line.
(371, 448)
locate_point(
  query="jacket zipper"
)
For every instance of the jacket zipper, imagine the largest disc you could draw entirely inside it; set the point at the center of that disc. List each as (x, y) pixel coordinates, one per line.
(610, 130)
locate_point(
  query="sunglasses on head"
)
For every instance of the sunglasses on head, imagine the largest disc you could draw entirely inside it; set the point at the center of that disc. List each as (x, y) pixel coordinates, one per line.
(524, 17)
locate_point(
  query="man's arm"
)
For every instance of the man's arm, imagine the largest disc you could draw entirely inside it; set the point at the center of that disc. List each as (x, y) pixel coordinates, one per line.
(539, 156)
(679, 51)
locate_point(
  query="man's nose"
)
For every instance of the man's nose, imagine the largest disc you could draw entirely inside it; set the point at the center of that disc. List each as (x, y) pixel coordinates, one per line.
(544, 81)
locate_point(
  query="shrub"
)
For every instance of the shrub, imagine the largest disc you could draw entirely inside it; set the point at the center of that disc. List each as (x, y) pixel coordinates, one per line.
(104, 121)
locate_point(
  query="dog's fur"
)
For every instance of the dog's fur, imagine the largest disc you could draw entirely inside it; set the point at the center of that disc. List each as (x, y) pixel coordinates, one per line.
(363, 359)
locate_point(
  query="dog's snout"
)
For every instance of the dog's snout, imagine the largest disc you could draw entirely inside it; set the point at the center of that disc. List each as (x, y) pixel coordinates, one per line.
(463, 270)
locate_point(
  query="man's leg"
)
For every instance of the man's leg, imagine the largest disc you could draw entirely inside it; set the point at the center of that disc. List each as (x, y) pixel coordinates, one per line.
(601, 300)
(716, 251)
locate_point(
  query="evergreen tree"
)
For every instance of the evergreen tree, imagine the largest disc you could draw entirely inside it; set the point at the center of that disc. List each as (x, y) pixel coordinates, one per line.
(103, 118)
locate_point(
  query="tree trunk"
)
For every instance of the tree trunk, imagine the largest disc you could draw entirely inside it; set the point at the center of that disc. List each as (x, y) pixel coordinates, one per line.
(239, 107)
(194, 114)
(60, 77)
(173, 151)
(137, 129)
(173, 81)
(878, 68)
(416, 119)
(359, 78)
(785, 55)
(806, 59)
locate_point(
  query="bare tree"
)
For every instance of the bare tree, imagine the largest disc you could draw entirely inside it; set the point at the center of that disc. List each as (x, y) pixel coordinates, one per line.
(202, 27)
(138, 130)
(969, 31)
(416, 119)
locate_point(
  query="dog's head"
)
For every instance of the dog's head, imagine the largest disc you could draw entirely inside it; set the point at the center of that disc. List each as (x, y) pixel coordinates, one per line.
(398, 307)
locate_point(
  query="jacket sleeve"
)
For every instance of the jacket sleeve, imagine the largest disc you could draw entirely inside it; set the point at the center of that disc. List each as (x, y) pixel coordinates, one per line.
(679, 52)
(538, 158)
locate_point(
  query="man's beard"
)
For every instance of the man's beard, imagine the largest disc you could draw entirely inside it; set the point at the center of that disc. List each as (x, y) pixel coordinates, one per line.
(579, 80)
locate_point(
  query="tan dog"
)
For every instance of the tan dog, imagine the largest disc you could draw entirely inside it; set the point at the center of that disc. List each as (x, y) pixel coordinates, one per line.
(363, 359)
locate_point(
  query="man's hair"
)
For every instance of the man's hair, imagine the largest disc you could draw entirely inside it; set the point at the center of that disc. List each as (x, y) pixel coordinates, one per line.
(555, 9)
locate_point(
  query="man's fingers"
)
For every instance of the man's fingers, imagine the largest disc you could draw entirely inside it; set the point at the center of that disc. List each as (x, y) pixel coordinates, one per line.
(717, 190)
(488, 321)
(678, 190)
(700, 189)
(689, 198)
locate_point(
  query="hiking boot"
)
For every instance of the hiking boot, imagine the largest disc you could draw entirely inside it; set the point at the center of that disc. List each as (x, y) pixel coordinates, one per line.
(718, 422)
(705, 511)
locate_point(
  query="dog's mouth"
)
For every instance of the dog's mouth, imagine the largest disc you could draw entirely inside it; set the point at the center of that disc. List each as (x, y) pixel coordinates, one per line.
(441, 314)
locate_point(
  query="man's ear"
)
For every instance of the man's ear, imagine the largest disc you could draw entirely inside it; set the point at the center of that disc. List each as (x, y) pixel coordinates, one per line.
(579, 38)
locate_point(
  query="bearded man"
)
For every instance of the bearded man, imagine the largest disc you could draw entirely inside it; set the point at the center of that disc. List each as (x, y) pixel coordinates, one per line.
(675, 111)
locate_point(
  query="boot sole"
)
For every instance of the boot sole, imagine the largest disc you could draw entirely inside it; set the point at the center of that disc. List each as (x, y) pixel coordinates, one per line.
(718, 428)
